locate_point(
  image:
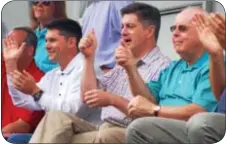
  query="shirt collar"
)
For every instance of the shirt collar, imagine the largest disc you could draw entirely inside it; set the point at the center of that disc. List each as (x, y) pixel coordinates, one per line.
(75, 62)
(146, 59)
(198, 63)
(40, 32)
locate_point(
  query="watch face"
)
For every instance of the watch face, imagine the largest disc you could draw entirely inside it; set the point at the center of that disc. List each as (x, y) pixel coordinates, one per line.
(38, 95)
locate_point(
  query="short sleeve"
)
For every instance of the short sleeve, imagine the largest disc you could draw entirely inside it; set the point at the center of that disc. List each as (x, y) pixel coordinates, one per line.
(156, 85)
(203, 95)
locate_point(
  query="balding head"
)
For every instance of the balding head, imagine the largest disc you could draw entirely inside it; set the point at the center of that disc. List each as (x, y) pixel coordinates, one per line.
(188, 13)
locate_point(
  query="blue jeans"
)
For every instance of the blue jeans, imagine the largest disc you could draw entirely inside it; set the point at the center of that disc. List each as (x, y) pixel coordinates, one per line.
(19, 138)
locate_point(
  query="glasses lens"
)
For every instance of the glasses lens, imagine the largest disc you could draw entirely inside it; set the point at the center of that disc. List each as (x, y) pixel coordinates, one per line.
(46, 3)
(172, 28)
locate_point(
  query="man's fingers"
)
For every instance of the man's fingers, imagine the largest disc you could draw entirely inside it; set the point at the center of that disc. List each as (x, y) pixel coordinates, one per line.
(16, 82)
(131, 111)
(5, 43)
(27, 74)
(90, 97)
(18, 74)
(91, 92)
(92, 101)
(22, 47)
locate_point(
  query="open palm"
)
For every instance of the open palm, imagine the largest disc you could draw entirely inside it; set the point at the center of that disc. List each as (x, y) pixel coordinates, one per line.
(206, 36)
(12, 50)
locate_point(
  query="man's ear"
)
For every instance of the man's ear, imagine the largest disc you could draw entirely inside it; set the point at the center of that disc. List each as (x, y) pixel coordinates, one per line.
(30, 50)
(72, 41)
(150, 31)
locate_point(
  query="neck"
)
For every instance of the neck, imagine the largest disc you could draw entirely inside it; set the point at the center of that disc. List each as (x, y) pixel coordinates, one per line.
(143, 49)
(192, 58)
(43, 22)
(66, 60)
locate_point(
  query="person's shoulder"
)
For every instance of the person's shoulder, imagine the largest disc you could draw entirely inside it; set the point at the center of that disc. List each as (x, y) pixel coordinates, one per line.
(52, 72)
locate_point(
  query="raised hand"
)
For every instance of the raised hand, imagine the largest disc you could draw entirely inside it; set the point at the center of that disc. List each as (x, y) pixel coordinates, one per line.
(206, 35)
(218, 24)
(88, 44)
(12, 50)
(124, 56)
(24, 82)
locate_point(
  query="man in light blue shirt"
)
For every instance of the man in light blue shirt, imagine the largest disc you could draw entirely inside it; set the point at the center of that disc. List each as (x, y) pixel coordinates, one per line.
(105, 18)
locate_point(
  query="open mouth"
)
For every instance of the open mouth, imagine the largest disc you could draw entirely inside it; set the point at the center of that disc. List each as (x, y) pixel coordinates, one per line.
(127, 41)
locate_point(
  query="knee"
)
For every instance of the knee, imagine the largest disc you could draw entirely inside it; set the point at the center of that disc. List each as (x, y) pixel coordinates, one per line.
(137, 130)
(136, 125)
(196, 126)
(111, 135)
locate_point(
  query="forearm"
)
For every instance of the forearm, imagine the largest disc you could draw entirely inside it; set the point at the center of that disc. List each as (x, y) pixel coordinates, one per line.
(217, 73)
(120, 103)
(10, 66)
(89, 81)
(137, 85)
(180, 112)
(22, 100)
(18, 126)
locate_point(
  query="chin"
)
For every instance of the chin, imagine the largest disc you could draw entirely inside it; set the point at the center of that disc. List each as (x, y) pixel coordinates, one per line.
(52, 59)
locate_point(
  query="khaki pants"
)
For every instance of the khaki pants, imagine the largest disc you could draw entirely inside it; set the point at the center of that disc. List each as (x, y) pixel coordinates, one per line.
(59, 127)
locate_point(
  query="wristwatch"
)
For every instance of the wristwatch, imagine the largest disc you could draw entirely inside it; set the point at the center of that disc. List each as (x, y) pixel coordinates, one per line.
(156, 110)
(38, 95)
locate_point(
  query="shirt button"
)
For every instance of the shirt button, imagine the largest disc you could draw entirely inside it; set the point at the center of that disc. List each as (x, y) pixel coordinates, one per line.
(61, 83)
(62, 74)
(59, 94)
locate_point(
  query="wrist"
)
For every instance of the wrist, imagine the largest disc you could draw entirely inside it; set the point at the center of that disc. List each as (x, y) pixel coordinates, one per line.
(217, 56)
(219, 51)
(35, 90)
(89, 59)
(156, 110)
(112, 100)
(10, 66)
(131, 69)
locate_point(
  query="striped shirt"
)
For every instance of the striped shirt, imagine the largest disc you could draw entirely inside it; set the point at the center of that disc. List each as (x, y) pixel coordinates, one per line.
(116, 81)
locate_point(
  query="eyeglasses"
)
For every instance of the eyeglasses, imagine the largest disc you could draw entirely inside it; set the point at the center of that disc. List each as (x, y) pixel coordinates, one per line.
(181, 28)
(45, 3)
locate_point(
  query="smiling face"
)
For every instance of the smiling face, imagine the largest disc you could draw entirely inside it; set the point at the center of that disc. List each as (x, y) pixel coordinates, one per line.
(133, 32)
(43, 10)
(185, 38)
(56, 45)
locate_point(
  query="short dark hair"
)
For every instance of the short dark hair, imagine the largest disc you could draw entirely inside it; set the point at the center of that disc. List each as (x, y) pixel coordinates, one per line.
(31, 38)
(147, 14)
(67, 28)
